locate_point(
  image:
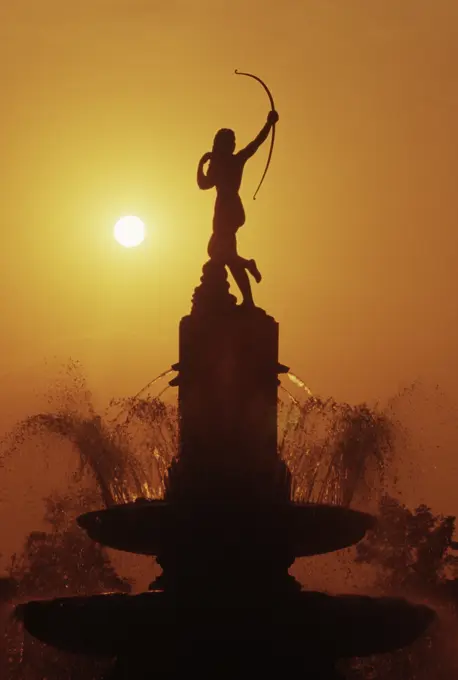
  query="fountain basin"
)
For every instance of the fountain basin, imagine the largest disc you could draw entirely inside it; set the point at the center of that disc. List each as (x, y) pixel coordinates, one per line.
(149, 527)
(307, 623)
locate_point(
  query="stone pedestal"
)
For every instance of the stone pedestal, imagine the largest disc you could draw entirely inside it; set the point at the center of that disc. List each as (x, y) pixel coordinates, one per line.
(227, 392)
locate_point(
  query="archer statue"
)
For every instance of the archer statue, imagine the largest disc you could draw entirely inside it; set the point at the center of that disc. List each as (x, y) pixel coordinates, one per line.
(224, 172)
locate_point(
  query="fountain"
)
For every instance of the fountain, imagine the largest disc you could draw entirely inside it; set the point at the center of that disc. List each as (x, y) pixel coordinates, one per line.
(226, 531)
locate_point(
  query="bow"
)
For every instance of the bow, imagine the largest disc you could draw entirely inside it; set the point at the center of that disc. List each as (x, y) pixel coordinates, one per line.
(271, 99)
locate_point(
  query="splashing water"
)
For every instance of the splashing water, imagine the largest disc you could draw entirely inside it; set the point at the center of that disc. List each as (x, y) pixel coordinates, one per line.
(12, 635)
(118, 474)
(300, 383)
(105, 444)
(144, 392)
(335, 452)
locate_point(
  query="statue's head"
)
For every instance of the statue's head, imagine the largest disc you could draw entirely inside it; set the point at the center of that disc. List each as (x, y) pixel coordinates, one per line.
(224, 142)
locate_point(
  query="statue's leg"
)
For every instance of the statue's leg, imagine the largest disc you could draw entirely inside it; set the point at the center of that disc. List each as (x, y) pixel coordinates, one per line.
(238, 267)
(253, 269)
(222, 248)
(238, 271)
(249, 265)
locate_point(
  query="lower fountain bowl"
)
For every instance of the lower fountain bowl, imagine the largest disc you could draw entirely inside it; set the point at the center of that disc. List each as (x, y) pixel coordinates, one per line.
(307, 623)
(150, 527)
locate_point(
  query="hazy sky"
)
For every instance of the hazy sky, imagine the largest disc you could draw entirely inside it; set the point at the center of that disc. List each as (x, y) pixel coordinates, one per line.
(107, 105)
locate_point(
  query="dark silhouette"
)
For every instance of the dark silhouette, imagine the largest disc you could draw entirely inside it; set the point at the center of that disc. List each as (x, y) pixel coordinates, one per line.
(225, 172)
(226, 531)
(226, 534)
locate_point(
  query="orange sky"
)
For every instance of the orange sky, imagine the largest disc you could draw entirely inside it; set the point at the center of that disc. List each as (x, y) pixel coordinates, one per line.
(107, 106)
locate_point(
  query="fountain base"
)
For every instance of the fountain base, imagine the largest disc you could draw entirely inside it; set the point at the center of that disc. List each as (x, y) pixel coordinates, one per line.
(225, 535)
(225, 603)
(155, 631)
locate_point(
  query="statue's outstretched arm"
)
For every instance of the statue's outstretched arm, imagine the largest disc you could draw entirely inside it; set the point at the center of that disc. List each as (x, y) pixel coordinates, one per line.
(203, 180)
(253, 146)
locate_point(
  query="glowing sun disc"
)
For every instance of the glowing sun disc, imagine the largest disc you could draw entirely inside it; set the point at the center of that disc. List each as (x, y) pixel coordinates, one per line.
(129, 231)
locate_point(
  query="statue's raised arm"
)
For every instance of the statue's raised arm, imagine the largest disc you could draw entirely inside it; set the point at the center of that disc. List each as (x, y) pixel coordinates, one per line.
(253, 146)
(272, 108)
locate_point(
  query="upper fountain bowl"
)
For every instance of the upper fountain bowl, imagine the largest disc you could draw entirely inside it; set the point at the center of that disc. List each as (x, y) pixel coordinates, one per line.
(149, 527)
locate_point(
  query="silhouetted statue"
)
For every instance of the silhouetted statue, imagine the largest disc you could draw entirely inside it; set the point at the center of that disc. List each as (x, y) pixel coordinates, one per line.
(225, 172)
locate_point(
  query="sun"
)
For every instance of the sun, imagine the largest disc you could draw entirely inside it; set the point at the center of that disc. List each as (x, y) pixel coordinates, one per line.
(129, 231)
